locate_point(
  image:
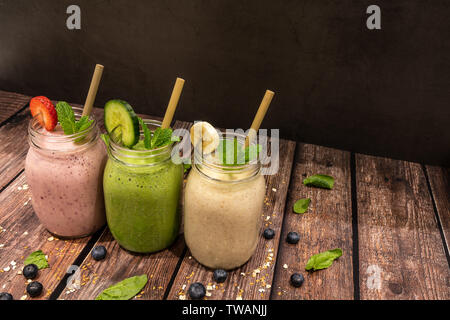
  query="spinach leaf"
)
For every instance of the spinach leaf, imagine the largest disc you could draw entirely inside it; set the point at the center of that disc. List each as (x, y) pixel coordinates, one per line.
(38, 258)
(323, 260)
(125, 289)
(320, 181)
(301, 206)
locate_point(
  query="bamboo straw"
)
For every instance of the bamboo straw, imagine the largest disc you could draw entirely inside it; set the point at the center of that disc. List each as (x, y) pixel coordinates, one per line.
(265, 103)
(173, 102)
(89, 104)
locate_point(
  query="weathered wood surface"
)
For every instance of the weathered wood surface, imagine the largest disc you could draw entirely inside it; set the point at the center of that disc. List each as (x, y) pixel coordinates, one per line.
(254, 279)
(326, 225)
(440, 185)
(400, 248)
(21, 234)
(13, 146)
(401, 251)
(120, 264)
(11, 103)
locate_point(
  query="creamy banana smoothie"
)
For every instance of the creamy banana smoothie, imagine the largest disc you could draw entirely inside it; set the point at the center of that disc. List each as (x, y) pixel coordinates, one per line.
(64, 170)
(222, 208)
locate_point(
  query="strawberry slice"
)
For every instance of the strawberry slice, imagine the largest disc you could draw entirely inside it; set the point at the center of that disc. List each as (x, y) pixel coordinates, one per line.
(43, 109)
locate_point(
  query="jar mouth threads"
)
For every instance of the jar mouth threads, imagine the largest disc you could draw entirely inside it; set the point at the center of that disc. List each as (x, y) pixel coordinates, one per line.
(137, 157)
(48, 141)
(212, 167)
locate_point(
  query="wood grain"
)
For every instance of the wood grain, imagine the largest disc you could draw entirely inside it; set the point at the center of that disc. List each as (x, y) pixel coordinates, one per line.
(120, 264)
(21, 234)
(244, 283)
(326, 225)
(13, 146)
(401, 251)
(440, 185)
(11, 103)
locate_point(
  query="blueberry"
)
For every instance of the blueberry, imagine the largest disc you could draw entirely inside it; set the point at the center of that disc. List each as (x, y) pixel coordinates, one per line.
(292, 237)
(269, 233)
(34, 288)
(220, 275)
(99, 253)
(30, 271)
(197, 291)
(297, 280)
(6, 296)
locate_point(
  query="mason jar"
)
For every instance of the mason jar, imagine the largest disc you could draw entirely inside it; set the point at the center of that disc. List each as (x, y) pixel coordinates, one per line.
(142, 196)
(222, 210)
(64, 173)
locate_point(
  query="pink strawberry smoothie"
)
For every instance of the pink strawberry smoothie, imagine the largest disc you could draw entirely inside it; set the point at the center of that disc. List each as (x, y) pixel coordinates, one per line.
(65, 179)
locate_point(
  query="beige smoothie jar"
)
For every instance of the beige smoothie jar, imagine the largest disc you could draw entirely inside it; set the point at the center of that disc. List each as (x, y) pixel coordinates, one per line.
(64, 174)
(222, 211)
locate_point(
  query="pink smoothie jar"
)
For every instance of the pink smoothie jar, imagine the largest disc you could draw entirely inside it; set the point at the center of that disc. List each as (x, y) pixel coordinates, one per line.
(64, 174)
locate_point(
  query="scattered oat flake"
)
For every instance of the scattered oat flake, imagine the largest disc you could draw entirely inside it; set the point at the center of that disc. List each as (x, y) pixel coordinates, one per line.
(6, 269)
(239, 298)
(209, 287)
(2, 245)
(51, 238)
(274, 190)
(25, 233)
(23, 297)
(182, 297)
(285, 266)
(208, 294)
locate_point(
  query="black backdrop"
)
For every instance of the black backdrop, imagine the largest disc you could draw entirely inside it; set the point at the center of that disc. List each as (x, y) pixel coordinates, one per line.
(383, 92)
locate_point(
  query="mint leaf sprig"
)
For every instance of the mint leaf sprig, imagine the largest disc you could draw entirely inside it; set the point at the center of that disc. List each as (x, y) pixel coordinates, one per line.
(231, 153)
(66, 118)
(159, 138)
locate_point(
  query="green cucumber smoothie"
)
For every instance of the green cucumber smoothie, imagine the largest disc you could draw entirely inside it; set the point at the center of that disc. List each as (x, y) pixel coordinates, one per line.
(142, 204)
(141, 184)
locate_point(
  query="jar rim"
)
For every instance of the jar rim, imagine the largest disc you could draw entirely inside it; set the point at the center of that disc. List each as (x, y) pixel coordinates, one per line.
(36, 134)
(200, 161)
(118, 150)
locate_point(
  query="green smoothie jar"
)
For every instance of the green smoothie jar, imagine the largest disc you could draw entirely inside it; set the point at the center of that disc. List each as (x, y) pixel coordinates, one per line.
(142, 191)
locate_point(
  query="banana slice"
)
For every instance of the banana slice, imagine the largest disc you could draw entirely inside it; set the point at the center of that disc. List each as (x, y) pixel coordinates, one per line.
(206, 134)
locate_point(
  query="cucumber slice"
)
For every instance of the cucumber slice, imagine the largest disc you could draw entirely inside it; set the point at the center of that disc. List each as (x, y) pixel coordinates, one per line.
(119, 113)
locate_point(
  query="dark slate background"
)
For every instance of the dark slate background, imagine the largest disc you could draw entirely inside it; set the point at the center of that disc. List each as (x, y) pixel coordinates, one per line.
(338, 84)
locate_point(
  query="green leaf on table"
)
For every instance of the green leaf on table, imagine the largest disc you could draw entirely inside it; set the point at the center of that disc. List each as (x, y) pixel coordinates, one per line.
(38, 258)
(319, 181)
(323, 260)
(125, 289)
(301, 206)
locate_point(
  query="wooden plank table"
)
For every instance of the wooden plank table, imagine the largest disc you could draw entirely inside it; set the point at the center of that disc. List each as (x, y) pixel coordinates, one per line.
(391, 218)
